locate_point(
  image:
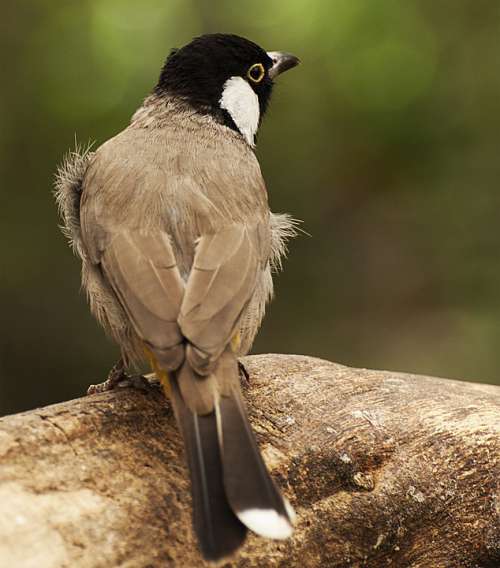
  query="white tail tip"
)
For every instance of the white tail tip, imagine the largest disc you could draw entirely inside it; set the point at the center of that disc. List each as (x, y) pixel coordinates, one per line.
(268, 523)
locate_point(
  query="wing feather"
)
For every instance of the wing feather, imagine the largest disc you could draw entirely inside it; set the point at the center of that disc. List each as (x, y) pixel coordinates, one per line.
(143, 273)
(165, 312)
(221, 283)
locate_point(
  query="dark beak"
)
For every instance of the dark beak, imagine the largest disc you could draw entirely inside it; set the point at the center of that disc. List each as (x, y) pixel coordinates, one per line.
(281, 62)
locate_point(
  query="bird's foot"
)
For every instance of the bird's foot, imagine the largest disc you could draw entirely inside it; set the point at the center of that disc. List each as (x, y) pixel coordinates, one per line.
(244, 375)
(118, 378)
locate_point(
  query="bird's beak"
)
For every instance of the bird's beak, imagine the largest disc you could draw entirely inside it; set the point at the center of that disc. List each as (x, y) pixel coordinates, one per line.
(281, 62)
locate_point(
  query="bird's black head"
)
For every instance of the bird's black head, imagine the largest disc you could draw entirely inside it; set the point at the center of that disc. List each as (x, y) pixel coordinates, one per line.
(227, 76)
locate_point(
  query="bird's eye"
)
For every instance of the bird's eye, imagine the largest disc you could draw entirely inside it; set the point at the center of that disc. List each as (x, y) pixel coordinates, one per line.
(256, 72)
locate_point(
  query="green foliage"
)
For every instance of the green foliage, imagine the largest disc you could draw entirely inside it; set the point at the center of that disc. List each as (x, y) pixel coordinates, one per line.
(384, 142)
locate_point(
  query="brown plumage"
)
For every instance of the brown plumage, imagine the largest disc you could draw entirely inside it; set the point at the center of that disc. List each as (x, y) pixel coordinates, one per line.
(171, 221)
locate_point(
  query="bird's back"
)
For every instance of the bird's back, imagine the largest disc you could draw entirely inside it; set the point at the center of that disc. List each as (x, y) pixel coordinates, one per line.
(171, 170)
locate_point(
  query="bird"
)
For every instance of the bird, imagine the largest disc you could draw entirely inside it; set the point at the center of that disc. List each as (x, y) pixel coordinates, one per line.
(171, 221)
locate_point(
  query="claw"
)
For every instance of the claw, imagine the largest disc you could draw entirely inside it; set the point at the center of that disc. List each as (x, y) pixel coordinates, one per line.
(118, 378)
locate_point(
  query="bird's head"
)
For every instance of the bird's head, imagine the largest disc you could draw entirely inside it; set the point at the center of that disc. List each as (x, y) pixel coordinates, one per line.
(226, 76)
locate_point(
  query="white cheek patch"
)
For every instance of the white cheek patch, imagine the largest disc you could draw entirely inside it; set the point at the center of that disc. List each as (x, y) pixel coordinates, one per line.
(242, 104)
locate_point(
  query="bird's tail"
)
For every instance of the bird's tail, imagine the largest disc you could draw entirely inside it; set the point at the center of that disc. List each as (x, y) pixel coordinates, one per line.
(218, 530)
(230, 485)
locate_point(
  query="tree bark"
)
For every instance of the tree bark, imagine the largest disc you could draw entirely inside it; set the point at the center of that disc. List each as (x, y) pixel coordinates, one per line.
(383, 469)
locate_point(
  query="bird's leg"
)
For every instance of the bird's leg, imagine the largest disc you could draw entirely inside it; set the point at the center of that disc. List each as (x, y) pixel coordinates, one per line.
(117, 377)
(244, 375)
(235, 346)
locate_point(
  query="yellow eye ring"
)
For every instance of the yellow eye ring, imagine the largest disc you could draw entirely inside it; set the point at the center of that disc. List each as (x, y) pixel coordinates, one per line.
(256, 72)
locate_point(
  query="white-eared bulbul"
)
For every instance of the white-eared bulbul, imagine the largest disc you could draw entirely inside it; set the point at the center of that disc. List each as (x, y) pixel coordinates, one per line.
(171, 221)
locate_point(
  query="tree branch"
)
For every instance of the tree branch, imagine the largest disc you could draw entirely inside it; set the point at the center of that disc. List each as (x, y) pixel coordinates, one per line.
(382, 468)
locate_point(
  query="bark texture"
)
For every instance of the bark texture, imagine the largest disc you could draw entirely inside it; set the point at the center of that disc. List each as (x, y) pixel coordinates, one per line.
(384, 469)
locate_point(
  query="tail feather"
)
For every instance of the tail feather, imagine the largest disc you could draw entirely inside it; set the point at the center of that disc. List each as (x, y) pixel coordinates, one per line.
(250, 490)
(230, 485)
(218, 529)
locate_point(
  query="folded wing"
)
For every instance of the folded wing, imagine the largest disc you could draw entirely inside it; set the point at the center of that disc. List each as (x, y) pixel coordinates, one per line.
(221, 283)
(142, 271)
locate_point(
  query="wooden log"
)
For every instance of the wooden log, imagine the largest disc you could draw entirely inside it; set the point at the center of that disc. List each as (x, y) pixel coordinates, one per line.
(384, 469)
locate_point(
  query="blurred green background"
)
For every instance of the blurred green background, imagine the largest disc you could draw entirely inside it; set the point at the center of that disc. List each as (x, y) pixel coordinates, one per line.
(385, 142)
